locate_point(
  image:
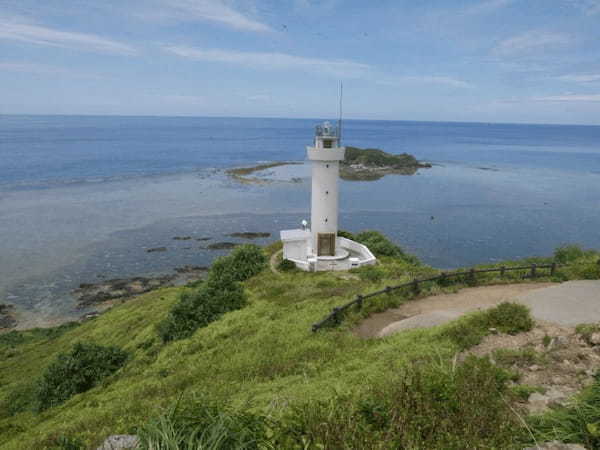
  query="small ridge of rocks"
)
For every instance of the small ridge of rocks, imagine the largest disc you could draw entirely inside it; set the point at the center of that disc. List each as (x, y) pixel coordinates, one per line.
(223, 245)
(156, 249)
(250, 235)
(565, 362)
(89, 294)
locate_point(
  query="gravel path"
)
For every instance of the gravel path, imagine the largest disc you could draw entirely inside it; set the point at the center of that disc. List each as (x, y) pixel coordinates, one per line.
(439, 309)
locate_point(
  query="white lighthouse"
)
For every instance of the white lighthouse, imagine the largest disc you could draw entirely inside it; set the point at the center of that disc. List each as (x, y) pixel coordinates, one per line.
(325, 156)
(320, 248)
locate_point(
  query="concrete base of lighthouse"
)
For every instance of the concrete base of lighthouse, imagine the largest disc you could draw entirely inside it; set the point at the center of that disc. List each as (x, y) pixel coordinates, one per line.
(349, 254)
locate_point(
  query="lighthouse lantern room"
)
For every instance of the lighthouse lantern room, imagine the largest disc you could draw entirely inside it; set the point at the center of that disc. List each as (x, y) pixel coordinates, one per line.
(320, 248)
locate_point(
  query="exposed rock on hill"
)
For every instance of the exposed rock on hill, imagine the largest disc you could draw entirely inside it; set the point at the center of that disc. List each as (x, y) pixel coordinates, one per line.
(7, 318)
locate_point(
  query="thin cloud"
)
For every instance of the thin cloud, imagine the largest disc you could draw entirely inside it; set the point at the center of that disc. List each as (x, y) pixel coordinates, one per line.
(339, 68)
(487, 7)
(569, 98)
(184, 99)
(589, 7)
(30, 68)
(44, 69)
(39, 35)
(273, 61)
(580, 78)
(217, 11)
(533, 41)
(423, 79)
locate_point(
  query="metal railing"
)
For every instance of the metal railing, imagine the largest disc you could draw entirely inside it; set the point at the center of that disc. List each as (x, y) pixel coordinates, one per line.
(414, 287)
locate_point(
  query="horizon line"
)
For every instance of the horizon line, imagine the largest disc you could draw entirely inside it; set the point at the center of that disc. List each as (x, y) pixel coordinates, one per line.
(302, 118)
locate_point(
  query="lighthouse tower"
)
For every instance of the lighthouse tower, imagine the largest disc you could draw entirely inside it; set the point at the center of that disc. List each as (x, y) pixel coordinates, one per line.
(325, 156)
(320, 248)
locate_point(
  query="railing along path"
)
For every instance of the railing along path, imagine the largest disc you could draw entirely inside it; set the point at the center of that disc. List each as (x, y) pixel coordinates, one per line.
(415, 285)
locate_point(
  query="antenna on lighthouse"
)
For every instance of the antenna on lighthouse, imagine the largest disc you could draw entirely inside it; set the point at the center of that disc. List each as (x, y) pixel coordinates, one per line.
(340, 119)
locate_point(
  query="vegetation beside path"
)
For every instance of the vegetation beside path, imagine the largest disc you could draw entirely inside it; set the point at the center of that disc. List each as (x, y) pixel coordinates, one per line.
(255, 377)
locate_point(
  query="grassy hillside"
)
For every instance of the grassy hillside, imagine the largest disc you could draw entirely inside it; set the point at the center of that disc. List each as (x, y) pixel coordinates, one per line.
(262, 358)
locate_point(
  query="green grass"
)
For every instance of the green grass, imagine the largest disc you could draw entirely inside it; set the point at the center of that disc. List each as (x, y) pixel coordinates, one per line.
(508, 357)
(577, 423)
(261, 359)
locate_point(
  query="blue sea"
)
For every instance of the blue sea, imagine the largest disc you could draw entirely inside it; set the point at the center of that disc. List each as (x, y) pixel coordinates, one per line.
(82, 198)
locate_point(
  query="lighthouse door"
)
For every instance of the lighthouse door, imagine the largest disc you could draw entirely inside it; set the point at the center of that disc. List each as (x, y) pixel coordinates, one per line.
(326, 244)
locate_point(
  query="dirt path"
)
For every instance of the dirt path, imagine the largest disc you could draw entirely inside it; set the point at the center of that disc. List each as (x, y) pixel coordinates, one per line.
(438, 309)
(273, 261)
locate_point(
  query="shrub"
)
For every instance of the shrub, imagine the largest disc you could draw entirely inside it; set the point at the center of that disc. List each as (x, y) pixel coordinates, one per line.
(345, 234)
(65, 443)
(382, 246)
(197, 308)
(511, 318)
(220, 293)
(77, 371)
(20, 398)
(581, 271)
(286, 265)
(508, 318)
(432, 406)
(372, 274)
(242, 263)
(568, 253)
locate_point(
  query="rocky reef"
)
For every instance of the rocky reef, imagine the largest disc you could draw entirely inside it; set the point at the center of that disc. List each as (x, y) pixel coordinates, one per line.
(90, 294)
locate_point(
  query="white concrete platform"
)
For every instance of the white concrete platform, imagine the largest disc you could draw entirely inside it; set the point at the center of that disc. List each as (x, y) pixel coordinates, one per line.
(348, 255)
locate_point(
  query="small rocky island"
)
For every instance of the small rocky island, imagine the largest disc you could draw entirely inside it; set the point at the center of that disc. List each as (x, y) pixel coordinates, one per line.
(372, 164)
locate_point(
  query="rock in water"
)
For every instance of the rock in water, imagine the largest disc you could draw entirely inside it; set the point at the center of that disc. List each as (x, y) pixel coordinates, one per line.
(222, 246)
(89, 294)
(250, 235)
(156, 249)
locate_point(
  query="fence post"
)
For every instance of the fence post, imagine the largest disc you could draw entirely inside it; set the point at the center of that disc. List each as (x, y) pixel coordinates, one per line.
(336, 315)
(388, 290)
(533, 270)
(472, 275)
(442, 278)
(359, 301)
(416, 287)
(553, 269)
(502, 271)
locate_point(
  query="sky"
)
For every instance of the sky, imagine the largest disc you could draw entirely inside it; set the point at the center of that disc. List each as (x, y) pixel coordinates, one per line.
(516, 61)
